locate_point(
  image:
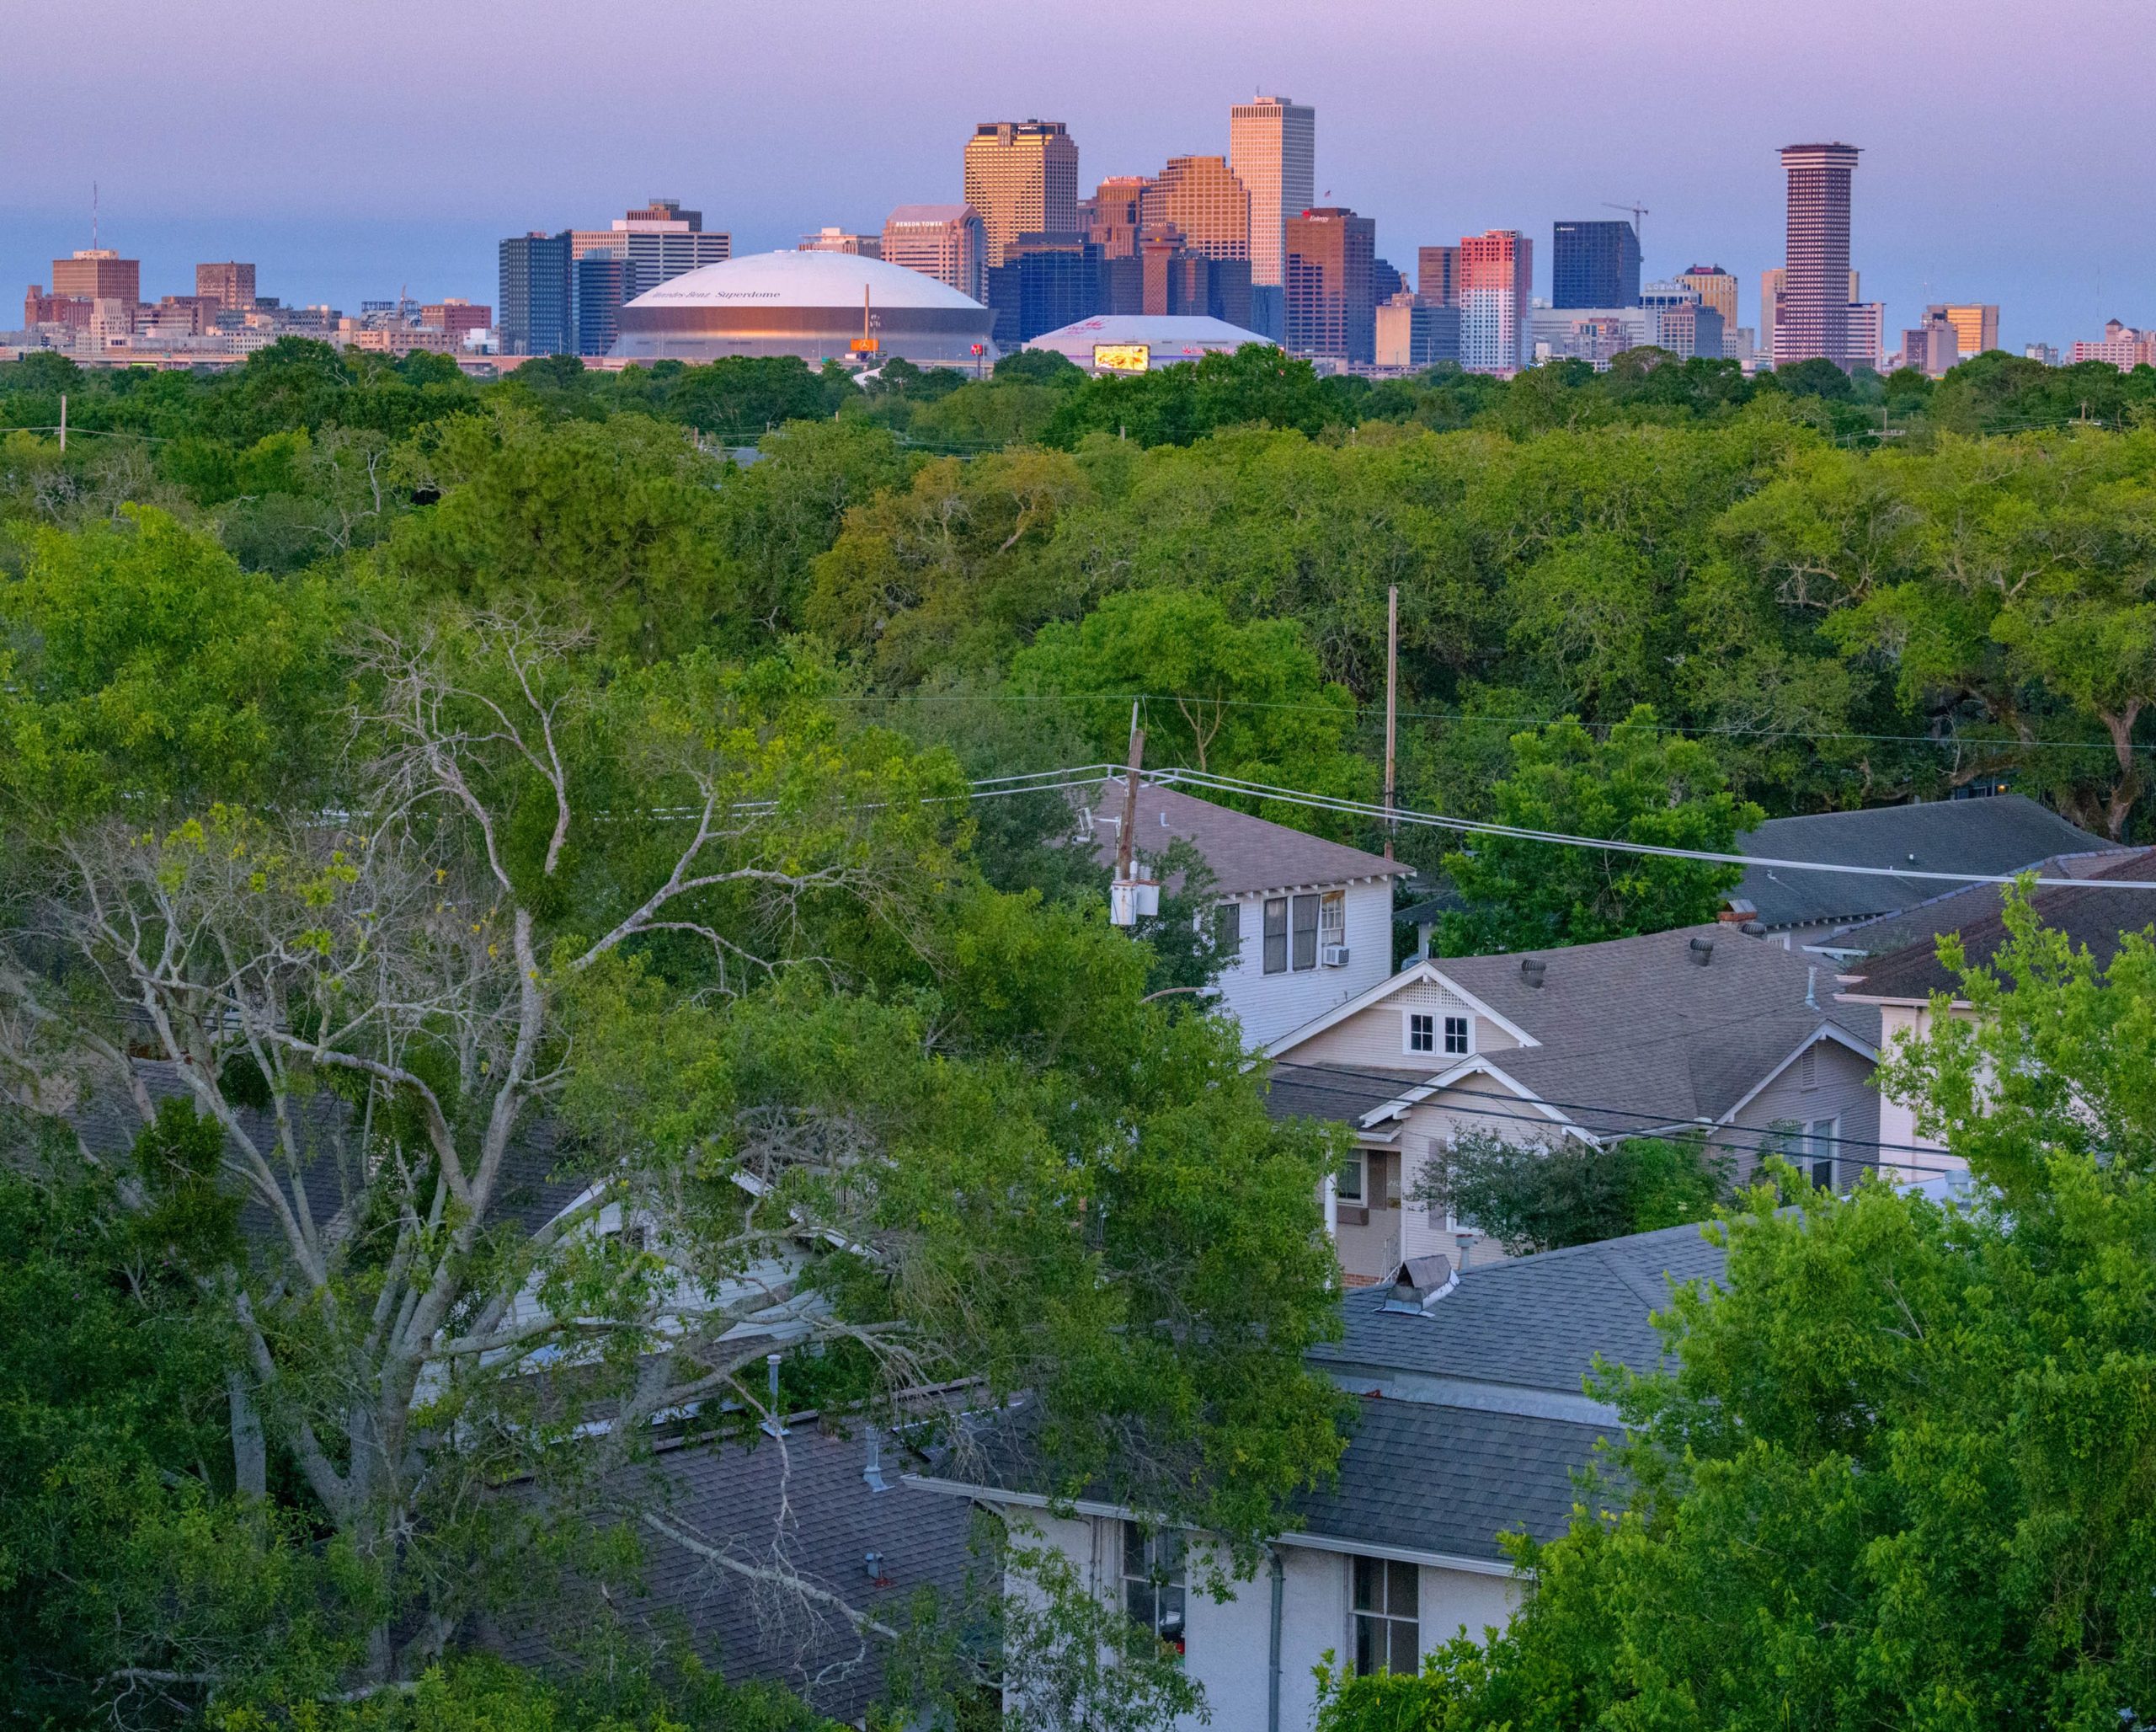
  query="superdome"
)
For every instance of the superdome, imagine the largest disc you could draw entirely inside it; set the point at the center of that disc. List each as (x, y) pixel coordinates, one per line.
(818, 306)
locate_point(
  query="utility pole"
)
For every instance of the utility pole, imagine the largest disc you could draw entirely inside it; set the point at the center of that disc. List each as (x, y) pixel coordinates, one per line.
(1391, 703)
(63, 422)
(1127, 833)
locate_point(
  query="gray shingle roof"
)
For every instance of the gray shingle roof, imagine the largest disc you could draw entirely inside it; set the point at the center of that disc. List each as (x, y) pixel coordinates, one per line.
(1449, 1479)
(1247, 855)
(1531, 1323)
(806, 1501)
(1923, 922)
(1635, 1034)
(2002, 833)
(2092, 918)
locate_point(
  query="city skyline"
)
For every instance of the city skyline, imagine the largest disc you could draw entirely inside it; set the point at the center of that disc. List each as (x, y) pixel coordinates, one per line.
(1950, 208)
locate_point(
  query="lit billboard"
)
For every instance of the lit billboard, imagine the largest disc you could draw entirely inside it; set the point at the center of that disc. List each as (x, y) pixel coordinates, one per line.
(1122, 357)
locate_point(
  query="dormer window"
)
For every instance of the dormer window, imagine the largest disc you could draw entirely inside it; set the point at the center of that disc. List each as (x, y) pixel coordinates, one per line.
(1433, 1032)
(1422, 1031)
(1457, 1037)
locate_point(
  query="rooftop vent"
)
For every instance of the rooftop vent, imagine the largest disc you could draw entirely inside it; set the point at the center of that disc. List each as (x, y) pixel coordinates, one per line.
(1419, 1283)
(873, 1474)
(1703, 951)
(1531, 970)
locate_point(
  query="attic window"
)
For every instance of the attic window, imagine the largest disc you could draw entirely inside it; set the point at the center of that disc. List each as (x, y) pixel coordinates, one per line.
(1808, 1067)
(1422, 1031)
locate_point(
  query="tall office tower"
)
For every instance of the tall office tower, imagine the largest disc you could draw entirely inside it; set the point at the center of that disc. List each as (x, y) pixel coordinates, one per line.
(942, 240)
(1330, 310)
(1867, 335)
(1203, 198)
(1022, 176)
(1436, 275)
(660, 238)
(1111, 214)
(1715, 288)
(1689, 329)
(538, 294)
(231, 285)
(1976, 326)
(1814, 318)
(1273, 149)
(1046, 282)
(1496, 270)
(1594, 265)
(606, 282)
(837, 240)
(1772, 286)
(1385, 282)
(98, 273)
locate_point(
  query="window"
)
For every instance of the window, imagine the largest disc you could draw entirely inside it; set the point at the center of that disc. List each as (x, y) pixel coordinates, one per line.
(1421, 1032)
(1387, 1631)
(1456, 1033)
(1152, 1582)
(1228, 932)
(1276, 935)
(1822, 1142)
(1305, 928)
(1332, 917)
(1348, 1186)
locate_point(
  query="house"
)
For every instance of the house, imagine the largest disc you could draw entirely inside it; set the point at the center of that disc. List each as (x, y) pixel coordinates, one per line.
(1309, 922)
(1471, 1417)
(1704, 1029)
(1898, 984)
(2000, 834)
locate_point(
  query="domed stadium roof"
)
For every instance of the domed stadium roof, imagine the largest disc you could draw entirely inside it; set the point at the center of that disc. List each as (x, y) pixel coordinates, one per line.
(818, 306)
(804, 280)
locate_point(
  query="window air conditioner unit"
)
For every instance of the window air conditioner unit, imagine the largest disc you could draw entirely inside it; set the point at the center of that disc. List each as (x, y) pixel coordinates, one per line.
(1334, 956)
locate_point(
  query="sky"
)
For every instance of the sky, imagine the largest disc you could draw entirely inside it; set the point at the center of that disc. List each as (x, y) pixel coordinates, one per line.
(354, 149)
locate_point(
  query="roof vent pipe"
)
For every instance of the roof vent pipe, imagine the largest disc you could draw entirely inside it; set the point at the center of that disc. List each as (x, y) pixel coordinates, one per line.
(1811, 985)
(1531, 969)
(1703, 951)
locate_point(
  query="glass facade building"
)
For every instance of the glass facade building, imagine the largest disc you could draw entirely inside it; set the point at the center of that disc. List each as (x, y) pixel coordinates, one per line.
(538, 296)
(1594, 265)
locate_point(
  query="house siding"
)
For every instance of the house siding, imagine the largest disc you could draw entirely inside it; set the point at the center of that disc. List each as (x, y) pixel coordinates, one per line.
(1844, 1090)
(1268, 1005)
(1230, 1642)
(1378, 1036)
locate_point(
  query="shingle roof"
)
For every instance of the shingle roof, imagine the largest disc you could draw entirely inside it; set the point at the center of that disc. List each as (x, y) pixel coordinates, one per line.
(1431, 1478)
(804, 1500)
(1635, 1034)
(1247, 855)
(2092, 918)
(2002, 833)
(1531, 1323)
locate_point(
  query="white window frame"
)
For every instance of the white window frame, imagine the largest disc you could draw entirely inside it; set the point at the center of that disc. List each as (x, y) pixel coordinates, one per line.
(1408, 1018)
(1360, 1168)
(1381, 1618)
(1466, 1047)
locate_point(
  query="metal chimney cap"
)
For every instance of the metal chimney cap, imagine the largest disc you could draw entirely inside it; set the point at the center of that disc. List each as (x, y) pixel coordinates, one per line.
(1703, 951)
(1531, 969)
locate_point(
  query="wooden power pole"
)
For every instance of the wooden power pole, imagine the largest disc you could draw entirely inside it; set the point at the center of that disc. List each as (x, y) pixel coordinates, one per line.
(1392, 704)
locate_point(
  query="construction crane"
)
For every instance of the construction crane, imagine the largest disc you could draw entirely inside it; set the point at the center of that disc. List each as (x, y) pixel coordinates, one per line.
(1639, 214)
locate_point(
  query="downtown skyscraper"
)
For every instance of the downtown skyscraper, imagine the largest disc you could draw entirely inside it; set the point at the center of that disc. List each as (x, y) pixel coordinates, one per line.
(1273, 150)
(1813, 319)
(1496, 270)
(1022, 176)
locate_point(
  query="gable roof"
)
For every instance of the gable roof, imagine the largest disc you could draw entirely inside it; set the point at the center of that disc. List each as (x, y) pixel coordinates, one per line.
(2092, 918)
(2002, 833)
(1531, 1325)
(1633, 1033)
(1247, 855)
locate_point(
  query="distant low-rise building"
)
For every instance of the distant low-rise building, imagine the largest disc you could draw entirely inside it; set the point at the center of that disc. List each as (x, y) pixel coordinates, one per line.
(1124, 343)
(838, 240)
(1592, 335)
(230, 283)
(1412, 334)
(2121, 346)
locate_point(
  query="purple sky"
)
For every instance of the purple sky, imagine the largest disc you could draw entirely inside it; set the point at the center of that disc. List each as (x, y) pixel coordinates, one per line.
(353, 149)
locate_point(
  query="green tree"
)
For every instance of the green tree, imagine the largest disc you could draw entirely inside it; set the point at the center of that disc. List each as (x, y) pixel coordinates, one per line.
(1640, 785)
(1543, 1194)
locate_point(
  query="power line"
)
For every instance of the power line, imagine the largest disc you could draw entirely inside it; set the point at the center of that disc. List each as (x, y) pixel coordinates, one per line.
(1473, 826)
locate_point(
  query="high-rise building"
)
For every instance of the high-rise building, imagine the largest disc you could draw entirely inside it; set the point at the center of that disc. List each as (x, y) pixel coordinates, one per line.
(1867, 335)
(538, 294)
(1771, 285)
(1273, 149)
(1022, 176)
(1330, 310)
(1813, 319)
(942, 240)
(1413, 334)
(606, 282)
(660, 238)
(1496, 272)
(1688, 330)
(1385, 282)
(1112, 214)
(1932, 347)
(1594, 265)
(1436, 275)
(1203, 198)
(98, 273)
(1045, 281)
(1976, 326)
(1715, 288)
(231, 285)
(837, 240)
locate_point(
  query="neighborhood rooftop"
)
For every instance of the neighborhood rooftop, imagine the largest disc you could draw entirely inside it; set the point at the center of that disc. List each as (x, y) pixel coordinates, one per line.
(1246, 855)
(2000, 833)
